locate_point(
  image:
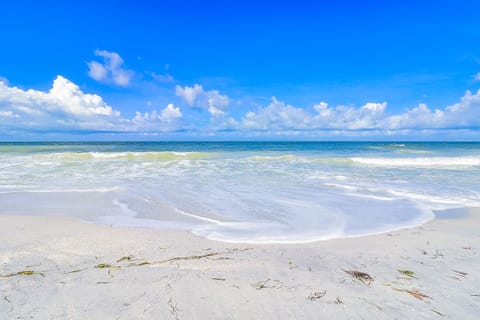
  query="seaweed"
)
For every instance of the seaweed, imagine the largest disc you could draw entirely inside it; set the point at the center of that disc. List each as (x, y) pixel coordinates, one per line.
(415, 293)
(22, 273)
(407, 273)
(103, 266)
(127, 258)
(363, 277)
(261, 284)
(144, 263)
(75, 271)
(194, 257)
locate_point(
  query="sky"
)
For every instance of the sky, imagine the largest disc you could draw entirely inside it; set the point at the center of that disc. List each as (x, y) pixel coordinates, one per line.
(240, 70)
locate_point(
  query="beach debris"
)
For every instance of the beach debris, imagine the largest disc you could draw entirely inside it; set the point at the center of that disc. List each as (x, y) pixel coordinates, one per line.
(460, 273)
(363, 277)
(407, 273)
(125, 258)
(439, 313)
(109, 267)
(6, 299)
(22, 273)
(338, 301)
(219, 279)
(261, 284)
(393, 283)
(467, 248)
(75, 271)
(415, 293)
(316, 295)
(144, 263)
(223, 258)
(103, 282)
(475, 295)
(194, 257)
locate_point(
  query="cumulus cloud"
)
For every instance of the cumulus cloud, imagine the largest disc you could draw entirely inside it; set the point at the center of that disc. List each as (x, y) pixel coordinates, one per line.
(280, 116)
(477, 76)
(110, 71)
(170, 113)
(277, 116)
(4, 80)
(64, 103)
(164, 121)
(64, 96)
(212, 101)
(66, 107)
(371, 117)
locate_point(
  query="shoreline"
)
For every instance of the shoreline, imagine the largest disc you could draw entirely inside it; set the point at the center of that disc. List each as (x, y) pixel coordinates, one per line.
(78, 270)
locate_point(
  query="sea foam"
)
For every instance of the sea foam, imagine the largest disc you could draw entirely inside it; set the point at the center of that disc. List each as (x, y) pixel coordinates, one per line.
(242, 192)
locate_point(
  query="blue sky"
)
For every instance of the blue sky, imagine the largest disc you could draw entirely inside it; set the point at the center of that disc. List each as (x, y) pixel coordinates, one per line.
(352, 70)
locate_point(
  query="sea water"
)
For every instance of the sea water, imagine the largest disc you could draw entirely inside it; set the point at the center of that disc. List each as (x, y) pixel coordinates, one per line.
(259, 192)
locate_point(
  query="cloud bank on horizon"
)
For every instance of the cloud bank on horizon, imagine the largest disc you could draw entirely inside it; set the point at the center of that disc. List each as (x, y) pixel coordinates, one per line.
(65, 108)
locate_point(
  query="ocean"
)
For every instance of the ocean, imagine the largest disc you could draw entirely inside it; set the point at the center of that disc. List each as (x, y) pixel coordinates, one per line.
(252, 192)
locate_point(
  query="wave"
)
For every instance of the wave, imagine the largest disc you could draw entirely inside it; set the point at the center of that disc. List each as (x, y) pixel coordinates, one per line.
(286, 157)
(470, 161)
(146, 156)
(60, 190)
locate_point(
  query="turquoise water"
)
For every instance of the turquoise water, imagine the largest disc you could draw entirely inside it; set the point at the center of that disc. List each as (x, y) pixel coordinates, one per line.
(242, 191)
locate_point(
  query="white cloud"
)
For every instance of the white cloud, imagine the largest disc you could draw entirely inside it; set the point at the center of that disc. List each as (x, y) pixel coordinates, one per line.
(64, 104)
(164, 121)
(164, 78)
(111, 70)
(66, 107)
(278, 117)
(4, 81)
(477, 76)
(64, 96)
(212, 101)
(8, 114)
(170, 113)
(189, 94)
(97, 71)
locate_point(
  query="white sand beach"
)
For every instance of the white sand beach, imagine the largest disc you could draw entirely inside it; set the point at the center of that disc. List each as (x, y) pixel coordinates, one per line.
(60, 268)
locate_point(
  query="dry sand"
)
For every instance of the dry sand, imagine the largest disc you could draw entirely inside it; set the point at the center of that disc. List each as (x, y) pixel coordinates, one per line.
(176, 275)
